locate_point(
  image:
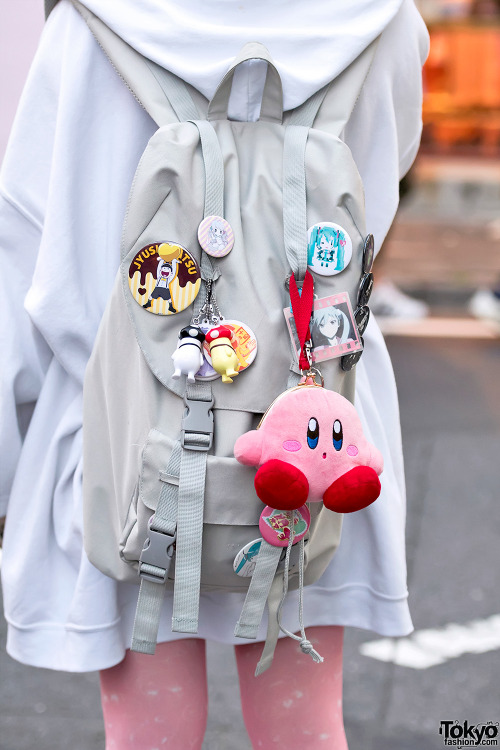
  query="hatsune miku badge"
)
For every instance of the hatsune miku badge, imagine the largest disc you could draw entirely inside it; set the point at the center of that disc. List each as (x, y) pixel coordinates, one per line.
(164, 278)
(329, 248)
(216, 236)
(275, 525)
(242, 341)
(246, 559)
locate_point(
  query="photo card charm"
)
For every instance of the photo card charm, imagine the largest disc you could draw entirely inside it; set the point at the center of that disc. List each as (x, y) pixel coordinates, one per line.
(333, 328)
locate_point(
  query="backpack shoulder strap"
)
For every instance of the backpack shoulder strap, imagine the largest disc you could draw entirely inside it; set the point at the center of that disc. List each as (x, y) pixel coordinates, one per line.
(331, 107)
(162, 94)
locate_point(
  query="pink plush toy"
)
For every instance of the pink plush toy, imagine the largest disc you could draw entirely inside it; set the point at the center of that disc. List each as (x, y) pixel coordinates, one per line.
(310, 446)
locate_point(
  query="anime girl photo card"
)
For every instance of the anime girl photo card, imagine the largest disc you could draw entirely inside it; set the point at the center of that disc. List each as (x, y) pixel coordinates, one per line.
(329, 248)
(333, 329)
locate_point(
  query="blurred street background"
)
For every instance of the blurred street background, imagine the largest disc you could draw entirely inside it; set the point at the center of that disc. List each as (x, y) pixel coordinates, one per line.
(438, 301)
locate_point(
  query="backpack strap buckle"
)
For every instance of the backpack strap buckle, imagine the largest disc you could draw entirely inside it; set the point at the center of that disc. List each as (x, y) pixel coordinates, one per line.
(197, 427)
(156, 556)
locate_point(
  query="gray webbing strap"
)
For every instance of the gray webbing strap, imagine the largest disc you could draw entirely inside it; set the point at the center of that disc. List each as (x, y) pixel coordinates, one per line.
(196, 439)
(176, 93)
(294, 199)
(258, 591)
(306, 113)
(147, 615)
(214, 193)
(214, 169)
(153, 577)
(341, 96)
(273, 628)
(271, 109)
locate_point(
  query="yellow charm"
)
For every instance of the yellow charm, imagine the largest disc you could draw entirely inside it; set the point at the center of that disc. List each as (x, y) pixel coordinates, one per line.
(224, 358)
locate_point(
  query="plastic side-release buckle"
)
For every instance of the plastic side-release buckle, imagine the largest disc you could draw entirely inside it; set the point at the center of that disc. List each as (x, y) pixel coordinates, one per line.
(158, 551)
(197, 427)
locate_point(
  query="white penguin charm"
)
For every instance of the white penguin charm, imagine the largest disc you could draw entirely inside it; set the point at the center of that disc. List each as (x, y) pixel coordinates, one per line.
(188, 357)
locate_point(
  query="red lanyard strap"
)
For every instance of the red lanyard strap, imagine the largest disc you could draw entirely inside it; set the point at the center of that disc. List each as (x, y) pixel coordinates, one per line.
(302, 305)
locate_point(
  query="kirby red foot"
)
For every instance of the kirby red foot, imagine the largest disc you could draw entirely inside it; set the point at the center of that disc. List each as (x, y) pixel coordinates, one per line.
(310, 444)
(354, 490)
(281, 485)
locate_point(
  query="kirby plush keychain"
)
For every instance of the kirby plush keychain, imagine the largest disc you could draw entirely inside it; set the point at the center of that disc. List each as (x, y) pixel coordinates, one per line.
(310, 447)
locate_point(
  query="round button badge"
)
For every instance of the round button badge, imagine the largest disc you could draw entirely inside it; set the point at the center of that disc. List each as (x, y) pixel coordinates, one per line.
(246, 559)
(243, 342)
(274, 525)
(329, 248)
(164, 278)
(216, 236)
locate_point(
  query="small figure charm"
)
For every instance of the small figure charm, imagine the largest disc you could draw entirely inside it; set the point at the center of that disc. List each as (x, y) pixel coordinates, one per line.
(224, 358)
(188, 357)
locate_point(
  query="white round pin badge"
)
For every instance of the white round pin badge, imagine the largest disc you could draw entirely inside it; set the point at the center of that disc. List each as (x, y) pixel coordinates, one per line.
(246, 559)
(216, 236)
(329, 248)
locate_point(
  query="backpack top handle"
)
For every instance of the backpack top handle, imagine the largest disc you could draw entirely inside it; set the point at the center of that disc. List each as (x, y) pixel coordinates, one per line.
(272, 98)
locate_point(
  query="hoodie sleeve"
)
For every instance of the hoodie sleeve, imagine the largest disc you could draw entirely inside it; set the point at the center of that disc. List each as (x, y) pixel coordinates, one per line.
(60, 219)
(23, 187)
(385, 127)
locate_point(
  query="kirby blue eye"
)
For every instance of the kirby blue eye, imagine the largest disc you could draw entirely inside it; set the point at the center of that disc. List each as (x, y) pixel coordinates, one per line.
(312, 433)
(337, 435)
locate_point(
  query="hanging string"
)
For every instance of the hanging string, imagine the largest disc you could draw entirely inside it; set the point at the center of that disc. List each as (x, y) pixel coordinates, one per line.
(305, 645)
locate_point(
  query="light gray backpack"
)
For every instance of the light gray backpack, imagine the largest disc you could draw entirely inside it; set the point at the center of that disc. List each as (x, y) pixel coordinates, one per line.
(166, 504)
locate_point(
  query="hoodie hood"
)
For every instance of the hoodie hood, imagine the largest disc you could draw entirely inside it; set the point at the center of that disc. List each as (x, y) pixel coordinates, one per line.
(311, 43)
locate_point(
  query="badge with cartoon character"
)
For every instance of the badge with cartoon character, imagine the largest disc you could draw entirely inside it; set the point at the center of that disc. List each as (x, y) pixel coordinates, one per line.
(164, 278)
(329, 248)
(216, 236)
(276, 525)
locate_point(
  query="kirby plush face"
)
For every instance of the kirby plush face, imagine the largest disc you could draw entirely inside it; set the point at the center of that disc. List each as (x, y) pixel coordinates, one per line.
(311, 447)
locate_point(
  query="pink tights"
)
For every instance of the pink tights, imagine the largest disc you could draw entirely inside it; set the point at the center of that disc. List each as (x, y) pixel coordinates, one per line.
(151, 703)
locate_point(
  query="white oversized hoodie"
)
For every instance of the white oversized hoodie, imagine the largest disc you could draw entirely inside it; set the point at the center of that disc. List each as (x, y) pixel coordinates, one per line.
(75, 144)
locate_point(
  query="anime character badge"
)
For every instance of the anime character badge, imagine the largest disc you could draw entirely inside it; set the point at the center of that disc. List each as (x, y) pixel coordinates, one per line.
(216, 236)
(164, 278)
(329, 248)
(276, 525)
(246, 559)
